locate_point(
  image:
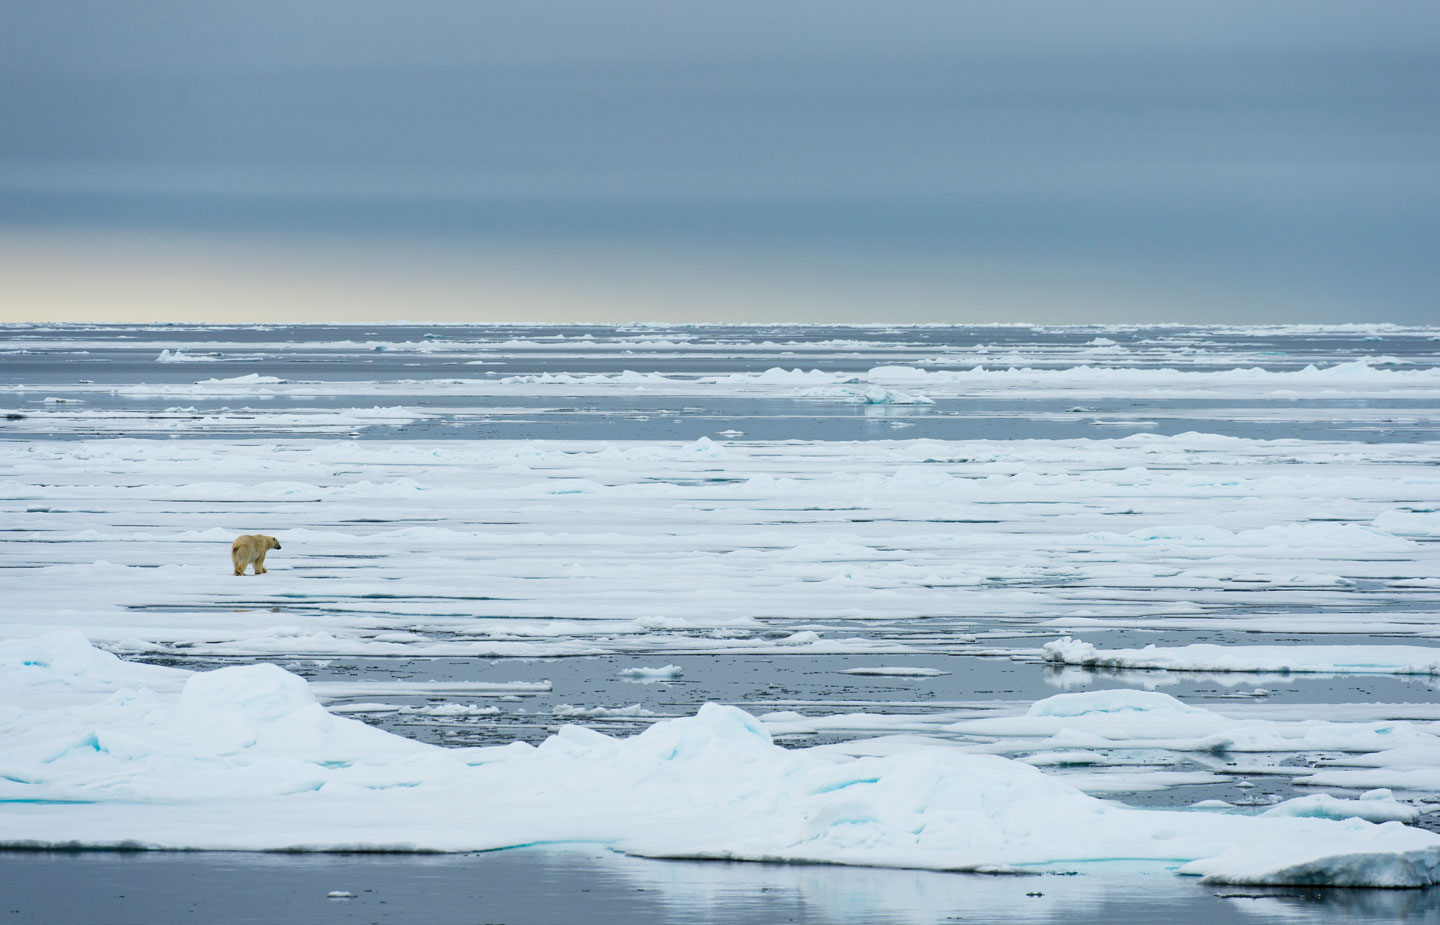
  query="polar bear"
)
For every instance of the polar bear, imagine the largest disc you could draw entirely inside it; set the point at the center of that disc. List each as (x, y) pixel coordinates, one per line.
(250, 549)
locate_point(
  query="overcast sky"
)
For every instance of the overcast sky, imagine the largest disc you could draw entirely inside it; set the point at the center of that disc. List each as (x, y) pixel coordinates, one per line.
(661, 160)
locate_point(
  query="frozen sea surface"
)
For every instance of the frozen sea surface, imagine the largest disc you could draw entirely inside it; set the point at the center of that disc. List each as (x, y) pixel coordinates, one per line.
(879, 541)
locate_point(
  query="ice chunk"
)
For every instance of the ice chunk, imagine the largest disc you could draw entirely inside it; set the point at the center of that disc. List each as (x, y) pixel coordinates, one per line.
(1273, 861)
(1111, 702)
(567, 711)
(1374, 806)
(879, 395)
(665, 673)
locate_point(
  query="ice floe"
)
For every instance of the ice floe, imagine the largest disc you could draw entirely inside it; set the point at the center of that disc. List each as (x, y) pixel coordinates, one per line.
(663, 673)
(704, 546)
(246, 758)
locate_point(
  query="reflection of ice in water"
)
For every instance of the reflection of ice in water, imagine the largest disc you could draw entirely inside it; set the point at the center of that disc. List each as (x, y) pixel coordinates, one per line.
(1067, 677)
(1280, 905)
(1112, 892)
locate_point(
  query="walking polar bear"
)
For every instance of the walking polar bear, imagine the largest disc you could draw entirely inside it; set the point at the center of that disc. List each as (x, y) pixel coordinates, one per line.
(250, 549)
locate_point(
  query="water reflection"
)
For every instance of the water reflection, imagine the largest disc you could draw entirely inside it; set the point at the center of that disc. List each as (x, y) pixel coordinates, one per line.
(589, 884)
(1121, 891)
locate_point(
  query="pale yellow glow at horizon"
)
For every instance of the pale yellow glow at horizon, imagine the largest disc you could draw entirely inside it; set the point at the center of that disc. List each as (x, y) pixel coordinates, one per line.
(143, 277)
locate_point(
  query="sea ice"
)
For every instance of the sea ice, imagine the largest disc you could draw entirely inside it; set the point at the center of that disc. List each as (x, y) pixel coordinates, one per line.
(245, 758)
(1373, 805)
(665, 673)
(650, 550)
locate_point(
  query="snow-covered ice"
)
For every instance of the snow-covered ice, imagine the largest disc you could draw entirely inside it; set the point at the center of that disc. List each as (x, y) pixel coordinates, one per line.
(246, 758)
(395, 547)
(664, 673)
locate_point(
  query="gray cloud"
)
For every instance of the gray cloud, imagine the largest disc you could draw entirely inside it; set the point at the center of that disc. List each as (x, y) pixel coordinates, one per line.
(1287, 148)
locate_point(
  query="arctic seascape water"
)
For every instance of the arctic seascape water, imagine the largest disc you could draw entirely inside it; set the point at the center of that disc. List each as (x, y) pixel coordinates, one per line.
(956, 578)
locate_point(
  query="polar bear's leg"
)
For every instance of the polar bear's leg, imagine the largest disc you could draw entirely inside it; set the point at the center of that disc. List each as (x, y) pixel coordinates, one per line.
(242, 552)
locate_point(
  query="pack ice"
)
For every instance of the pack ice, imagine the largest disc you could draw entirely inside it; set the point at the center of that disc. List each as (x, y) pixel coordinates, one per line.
(100, 752)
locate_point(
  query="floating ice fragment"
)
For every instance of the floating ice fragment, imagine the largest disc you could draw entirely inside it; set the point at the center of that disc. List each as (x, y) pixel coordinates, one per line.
(667, 673)
(248, 379)
(878, 395)
(899, 373)
(1373, 806)
(1112, 701)
(180, 356)
(567, 711)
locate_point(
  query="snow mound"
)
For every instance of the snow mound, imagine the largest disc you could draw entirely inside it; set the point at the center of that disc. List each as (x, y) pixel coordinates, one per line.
(779, 375)
(1117, 701)
(66, 662)
(1409, 523)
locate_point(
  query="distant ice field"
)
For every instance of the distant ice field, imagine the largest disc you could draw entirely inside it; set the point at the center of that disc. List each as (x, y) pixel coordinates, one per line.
(881, 543)
(679, 383)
